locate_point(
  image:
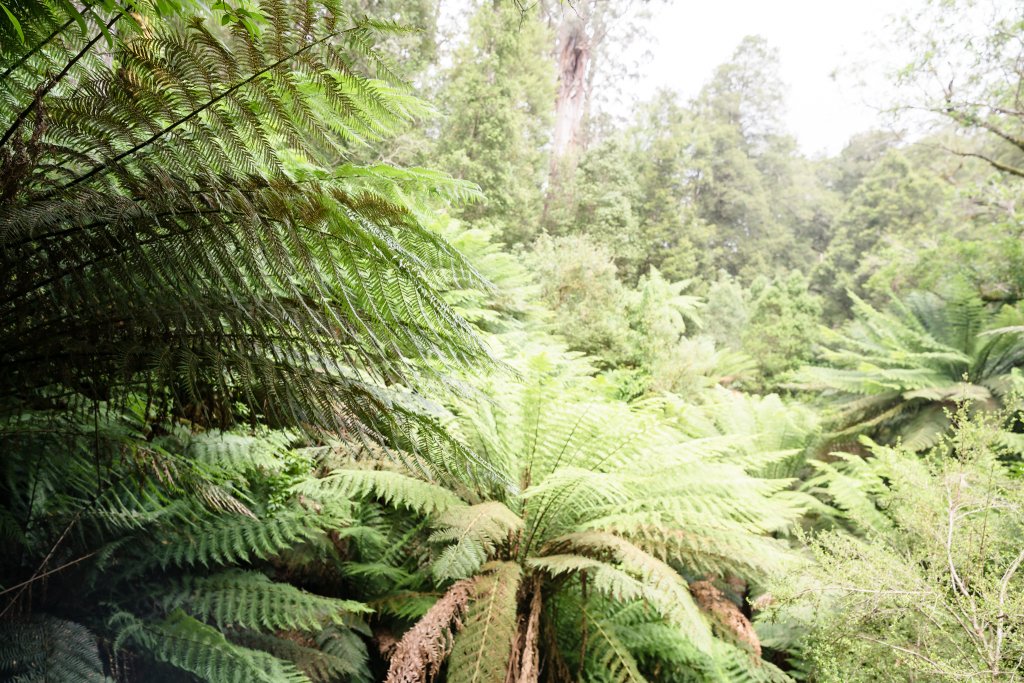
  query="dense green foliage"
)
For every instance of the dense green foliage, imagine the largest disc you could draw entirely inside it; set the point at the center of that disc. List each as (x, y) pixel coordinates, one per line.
(306, 378)
(929, 587)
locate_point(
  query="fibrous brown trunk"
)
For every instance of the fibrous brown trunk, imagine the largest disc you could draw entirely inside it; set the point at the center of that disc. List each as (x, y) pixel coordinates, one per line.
(529, 671)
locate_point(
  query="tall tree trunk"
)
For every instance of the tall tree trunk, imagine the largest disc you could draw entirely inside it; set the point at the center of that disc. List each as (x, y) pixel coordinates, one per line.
(575, 53)
(574, 57)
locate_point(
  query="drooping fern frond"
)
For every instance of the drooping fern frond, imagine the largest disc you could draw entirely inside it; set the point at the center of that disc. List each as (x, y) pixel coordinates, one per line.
(394, 488)
(663, 654)
(225, 451)
(172, 225)
(198, 648)
(484, 646)
(45, 648)
(335, 653)
(224, 540)
(250, 600)
(659, 584)
(609, 660)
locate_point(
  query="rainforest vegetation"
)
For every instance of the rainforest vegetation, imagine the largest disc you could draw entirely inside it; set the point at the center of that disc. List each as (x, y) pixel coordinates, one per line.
(337, 346)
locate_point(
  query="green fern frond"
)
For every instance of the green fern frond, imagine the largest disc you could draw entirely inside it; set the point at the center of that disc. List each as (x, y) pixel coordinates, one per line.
(394, 488)
(470, 536)
(662, 585)
(483, 648)
(405, 605)
(606, 578)
(851, 484)
(230, 452)
(225, 540)
(199, 649)
(176, 203)
(250, 600)
(45, 648)
(734, 665)
(608, 660)
(335, 653)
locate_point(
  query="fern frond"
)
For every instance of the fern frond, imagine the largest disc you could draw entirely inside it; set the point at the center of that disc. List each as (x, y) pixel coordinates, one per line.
(224, 540)
(197, 648)
(732, 664)
(393, 488)
(607, 658)
(483, 648)
(850, 484)
(177, 204)
(470, 534)
(45, 648)
(334, 653)
(230, 452)
(661, 585)
(249, 599)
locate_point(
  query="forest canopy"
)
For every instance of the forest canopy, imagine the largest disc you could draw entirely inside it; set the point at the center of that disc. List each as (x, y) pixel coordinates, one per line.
(358, 340)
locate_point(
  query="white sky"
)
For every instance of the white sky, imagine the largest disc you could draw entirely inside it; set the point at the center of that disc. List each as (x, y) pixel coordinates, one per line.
(814, 37)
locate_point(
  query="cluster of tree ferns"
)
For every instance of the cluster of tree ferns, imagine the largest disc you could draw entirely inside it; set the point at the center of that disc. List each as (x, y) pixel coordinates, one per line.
(337, 348)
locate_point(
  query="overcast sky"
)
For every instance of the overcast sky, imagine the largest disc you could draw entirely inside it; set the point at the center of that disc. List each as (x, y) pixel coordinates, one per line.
(814, 37)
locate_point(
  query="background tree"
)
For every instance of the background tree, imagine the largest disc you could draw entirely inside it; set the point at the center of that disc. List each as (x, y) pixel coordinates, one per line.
(895, 202)
(673, 235)
(497, 99)
(969, 77)
(783, 327)
(739, 159)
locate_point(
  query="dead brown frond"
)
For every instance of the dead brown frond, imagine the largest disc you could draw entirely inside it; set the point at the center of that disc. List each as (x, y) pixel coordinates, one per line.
(725, 614)
(419, 655)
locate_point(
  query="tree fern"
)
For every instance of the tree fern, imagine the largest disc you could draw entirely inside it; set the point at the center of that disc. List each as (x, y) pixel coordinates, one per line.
(189, 244)
(894, 374)
(610, 497)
